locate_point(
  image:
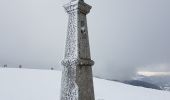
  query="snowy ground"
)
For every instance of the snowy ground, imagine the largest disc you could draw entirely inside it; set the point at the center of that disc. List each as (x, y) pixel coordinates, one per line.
(29, 84)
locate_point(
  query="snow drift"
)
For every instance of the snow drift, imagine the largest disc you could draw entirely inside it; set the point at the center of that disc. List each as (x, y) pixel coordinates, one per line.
(31, 84)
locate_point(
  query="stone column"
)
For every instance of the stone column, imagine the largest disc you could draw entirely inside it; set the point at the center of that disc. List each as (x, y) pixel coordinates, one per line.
(77, 78)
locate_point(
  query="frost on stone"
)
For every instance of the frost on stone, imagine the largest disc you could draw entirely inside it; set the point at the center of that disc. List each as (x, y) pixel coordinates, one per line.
(77, 81)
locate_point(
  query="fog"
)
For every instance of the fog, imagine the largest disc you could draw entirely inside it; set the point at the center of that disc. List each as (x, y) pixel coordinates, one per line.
(125, 35)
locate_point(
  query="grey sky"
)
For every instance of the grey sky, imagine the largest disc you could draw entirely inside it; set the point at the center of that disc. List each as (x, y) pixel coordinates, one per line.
(125, 35)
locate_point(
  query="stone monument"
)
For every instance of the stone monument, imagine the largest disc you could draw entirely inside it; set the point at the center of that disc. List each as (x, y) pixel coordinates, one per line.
(77, 78)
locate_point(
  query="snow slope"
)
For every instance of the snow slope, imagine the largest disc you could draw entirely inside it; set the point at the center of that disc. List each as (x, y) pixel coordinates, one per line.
(29, 84)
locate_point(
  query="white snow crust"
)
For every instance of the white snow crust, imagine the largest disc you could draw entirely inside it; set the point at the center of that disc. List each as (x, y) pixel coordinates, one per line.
(32, 84)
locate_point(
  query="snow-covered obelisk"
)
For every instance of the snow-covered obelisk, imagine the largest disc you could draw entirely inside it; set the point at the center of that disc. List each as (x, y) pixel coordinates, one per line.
(77, 80)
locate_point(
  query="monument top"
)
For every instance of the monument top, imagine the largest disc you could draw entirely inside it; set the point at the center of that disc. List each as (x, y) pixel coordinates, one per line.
(79, 5)
(77, 0)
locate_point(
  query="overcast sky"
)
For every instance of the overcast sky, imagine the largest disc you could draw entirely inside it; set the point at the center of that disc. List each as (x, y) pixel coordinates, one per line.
(125, 35)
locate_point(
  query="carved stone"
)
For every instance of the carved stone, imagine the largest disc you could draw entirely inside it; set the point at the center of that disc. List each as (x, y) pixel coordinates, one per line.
(77, 80)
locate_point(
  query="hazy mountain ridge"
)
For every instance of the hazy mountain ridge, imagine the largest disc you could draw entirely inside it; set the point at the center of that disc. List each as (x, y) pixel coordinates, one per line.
(142, 84)
(161, 81)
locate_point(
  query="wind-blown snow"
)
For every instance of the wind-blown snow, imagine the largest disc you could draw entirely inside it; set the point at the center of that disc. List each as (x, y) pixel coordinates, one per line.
(29, 84)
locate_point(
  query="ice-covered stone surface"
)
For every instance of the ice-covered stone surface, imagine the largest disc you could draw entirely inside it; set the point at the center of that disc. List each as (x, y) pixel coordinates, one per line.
(77, 81)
